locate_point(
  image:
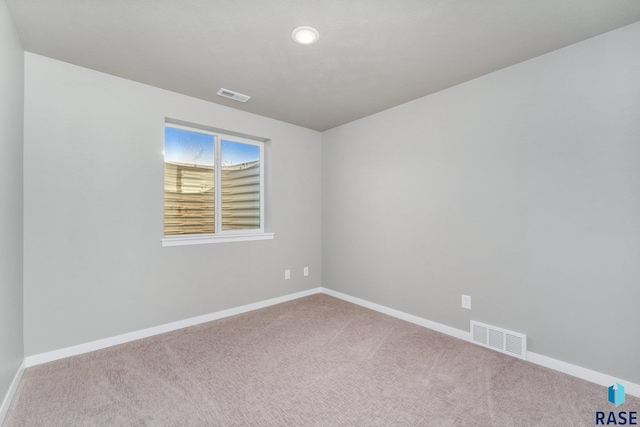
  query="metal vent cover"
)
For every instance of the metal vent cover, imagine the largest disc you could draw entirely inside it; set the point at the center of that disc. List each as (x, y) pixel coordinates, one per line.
(233, 95)
(502, 340)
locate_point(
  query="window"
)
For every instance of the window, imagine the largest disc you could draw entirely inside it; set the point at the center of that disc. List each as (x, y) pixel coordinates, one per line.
(213, 187)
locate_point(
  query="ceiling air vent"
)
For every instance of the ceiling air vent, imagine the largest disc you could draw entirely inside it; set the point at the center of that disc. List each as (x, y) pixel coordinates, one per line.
(233, 95)
(502, 340)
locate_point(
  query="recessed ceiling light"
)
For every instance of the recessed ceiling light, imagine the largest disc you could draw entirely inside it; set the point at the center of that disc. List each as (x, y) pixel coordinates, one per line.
(305, 35)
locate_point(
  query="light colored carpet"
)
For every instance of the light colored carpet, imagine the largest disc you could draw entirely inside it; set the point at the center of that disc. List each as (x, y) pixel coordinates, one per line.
(315, 361)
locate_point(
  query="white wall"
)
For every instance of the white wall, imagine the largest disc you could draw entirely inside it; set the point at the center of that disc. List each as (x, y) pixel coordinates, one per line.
(94, 265)
(11, 122)
(520, 188)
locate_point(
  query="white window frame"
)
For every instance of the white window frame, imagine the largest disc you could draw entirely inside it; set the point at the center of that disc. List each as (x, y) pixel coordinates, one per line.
(220, 235)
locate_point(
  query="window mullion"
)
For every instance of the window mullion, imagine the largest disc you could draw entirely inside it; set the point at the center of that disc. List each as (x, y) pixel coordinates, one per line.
(217, 185)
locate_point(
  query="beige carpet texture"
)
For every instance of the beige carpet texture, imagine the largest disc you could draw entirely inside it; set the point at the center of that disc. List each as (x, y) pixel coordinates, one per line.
(314, 361)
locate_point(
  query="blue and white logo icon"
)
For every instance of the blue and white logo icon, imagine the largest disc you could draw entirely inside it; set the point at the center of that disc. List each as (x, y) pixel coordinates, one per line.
(616, 394)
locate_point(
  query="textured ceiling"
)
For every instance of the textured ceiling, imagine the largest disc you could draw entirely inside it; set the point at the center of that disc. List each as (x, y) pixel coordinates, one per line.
(372, 55)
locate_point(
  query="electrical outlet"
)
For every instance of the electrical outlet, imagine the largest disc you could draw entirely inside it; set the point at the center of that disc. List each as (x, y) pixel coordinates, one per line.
(306, 271)
(287, 274)
(466, 302)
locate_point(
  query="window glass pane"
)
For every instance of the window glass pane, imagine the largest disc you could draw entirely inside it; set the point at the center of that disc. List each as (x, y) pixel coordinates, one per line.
(188, 182)
(240, 173)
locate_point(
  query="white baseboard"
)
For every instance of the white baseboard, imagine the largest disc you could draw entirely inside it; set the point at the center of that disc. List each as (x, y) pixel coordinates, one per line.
(538, 359)
(454, 332)
(75, 350)
(4, 408)
(548, 362)
(583, 373)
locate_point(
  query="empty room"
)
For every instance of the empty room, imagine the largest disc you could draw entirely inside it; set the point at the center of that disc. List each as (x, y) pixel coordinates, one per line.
(327, 213)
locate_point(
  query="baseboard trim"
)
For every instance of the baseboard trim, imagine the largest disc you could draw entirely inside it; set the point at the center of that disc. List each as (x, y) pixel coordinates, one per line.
(4, 408)
(582, 373)
(538, 359)
(454, 332)
(75, 350)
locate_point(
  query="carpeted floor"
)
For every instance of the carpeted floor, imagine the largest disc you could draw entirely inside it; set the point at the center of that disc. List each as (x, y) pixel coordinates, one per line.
(315, 361)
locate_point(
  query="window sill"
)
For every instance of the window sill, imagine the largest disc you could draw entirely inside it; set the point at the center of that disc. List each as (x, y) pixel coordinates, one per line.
(210, 238)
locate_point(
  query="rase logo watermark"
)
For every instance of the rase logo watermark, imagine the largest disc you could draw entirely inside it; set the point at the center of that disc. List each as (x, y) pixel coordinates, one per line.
(616, 396)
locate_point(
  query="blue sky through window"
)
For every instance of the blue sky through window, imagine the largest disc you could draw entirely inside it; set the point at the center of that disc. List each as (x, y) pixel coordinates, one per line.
(183, 146)
(194, 148)
(234, 153)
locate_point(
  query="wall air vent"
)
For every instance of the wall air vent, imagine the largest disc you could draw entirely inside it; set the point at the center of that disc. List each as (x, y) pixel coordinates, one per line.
(502, 340)
(233, 95)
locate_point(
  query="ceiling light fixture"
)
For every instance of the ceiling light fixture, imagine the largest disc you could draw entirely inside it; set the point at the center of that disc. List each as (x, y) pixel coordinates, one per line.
(305, 35)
